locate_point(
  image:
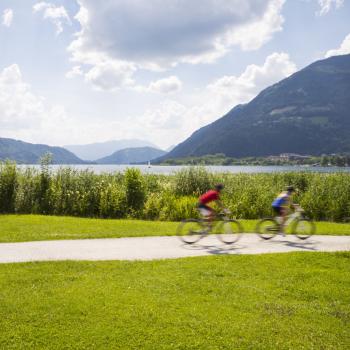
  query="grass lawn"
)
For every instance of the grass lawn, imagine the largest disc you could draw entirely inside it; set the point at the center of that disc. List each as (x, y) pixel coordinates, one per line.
(279, 301)
(20, 228)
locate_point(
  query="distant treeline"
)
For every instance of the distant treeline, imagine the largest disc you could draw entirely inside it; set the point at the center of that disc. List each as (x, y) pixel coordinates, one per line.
(174, 197)
(340, 160)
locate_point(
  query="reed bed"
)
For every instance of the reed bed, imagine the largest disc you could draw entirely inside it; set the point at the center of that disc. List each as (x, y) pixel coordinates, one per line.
(131, 194)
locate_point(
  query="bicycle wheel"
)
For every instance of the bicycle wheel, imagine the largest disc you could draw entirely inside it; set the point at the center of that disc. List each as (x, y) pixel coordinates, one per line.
(190, 231)
(303, 228)
(267, 228)
(229, 231)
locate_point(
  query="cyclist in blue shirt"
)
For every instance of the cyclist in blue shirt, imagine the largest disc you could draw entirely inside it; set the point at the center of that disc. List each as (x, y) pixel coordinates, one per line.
(281, 204)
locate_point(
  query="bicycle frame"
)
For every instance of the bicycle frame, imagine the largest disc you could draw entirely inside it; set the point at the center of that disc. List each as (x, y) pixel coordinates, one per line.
(227, 230)
(291, 217)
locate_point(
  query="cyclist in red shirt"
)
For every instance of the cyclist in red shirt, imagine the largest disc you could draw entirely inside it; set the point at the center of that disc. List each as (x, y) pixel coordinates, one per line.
(207, 197)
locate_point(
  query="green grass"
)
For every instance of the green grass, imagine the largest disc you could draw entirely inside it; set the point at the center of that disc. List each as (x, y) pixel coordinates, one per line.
(280, 301)
(21, 228)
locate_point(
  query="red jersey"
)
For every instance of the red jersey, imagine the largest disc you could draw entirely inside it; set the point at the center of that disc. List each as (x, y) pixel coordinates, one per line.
(209, 197)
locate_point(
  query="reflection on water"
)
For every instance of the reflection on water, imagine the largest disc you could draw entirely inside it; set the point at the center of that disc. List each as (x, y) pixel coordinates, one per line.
(170, 169)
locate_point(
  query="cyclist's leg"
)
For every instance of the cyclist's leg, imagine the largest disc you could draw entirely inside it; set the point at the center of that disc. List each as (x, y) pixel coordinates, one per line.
(284, 216)
(280, 215)
(207, 213)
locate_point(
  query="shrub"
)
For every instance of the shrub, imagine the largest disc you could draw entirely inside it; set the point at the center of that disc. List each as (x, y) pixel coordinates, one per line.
(192, 181)
(26, 194)
(113, 202)
(134, 190)
(8, 185)
(83, 193)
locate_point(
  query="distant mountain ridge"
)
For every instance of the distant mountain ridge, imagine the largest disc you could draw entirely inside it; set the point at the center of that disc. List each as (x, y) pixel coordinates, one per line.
(306, 113)
(99, 150)
(132, 155)
(29, 153)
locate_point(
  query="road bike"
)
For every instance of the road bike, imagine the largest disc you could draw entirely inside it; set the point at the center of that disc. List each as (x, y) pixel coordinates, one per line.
(299, 225)
(228, 230)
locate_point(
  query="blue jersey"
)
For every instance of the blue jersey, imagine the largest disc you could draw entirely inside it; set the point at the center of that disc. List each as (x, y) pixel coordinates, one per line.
(281, 200)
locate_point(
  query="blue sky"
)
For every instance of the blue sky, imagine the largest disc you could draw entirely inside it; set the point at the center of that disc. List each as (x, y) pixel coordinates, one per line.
(74, 72)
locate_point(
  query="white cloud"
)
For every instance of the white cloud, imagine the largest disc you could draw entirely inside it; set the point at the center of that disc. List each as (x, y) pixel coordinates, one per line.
(20, 107)
(7, 17)
(342, 50)
(24, 114)
(167, 116)
(159, 34)
(168, 85)
(30, 117)
(56, 14)
(326, 5)
(109, 76)
(255, 78)
(173, 121)
(254, 35)
(75, 71)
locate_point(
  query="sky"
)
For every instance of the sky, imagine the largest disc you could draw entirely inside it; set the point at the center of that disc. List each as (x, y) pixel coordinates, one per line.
(85, 71)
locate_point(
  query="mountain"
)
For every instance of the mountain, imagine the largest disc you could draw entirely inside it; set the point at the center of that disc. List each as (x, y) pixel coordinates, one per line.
(170, 148)
(307, 113)
(29, 153)
(132, 155)
(98, 150)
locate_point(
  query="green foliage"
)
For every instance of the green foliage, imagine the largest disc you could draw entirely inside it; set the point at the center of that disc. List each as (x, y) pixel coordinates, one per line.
(134, 190)
(8, 184)
(44, 189)
(177, 208)
(158, 197)
(113, 202)
(192, 181)
(27, 190)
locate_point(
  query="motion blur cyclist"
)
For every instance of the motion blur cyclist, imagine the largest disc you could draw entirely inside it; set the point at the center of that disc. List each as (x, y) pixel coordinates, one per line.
(282, 204)
(209, 197)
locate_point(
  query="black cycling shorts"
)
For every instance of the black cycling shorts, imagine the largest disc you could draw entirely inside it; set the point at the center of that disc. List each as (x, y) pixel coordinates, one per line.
(278, 210)
(203, 206)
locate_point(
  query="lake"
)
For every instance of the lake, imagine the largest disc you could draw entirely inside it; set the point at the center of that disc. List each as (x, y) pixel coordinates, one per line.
(170, 169)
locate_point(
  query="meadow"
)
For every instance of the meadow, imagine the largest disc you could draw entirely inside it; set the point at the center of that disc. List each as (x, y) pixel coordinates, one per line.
(23, 228)
(133, 195)
(279, 301)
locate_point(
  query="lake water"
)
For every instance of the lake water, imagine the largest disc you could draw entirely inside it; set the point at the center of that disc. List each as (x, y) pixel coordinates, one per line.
(169, 169)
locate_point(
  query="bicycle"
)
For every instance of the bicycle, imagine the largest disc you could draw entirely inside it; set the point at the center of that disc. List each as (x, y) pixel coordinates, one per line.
(300, 225)
(228, 230)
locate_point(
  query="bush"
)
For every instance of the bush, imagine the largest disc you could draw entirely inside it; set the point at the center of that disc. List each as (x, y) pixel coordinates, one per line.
(192, 181)
(26, 194)
(44, 189)
(8, 185)
(134, 191)
(174, 197)
(113, 202)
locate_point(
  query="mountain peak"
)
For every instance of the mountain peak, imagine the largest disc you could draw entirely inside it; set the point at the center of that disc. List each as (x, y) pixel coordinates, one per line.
(306, 113)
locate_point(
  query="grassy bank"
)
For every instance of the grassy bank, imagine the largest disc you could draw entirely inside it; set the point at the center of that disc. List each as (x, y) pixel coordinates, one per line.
(166, 198)
(281, 301)
(20, 228)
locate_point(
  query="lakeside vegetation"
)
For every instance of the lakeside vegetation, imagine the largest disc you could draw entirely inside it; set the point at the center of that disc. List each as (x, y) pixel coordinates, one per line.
(131, 194)
(284, 301)
(340, 160)
(24, 228)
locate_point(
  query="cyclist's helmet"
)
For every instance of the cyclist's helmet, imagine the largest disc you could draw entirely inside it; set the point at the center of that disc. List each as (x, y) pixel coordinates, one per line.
(219, 187)
(290, 189)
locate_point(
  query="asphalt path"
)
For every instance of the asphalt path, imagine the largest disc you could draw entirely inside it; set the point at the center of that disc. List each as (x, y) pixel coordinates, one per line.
(150, 248)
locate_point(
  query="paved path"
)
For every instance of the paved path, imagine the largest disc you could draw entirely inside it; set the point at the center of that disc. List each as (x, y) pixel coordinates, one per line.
(149, 248)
